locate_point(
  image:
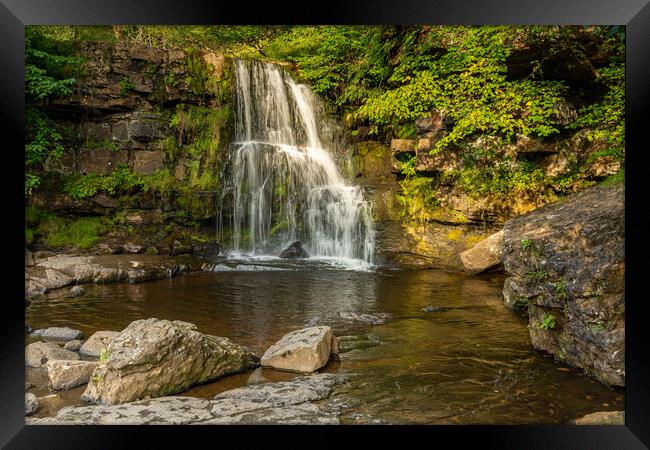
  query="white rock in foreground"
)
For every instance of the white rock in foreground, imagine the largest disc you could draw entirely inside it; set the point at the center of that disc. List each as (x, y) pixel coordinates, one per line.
(305, 350)
(58, 333)
(31, 403)
(287, 402)
(154, 358)
(65, 375)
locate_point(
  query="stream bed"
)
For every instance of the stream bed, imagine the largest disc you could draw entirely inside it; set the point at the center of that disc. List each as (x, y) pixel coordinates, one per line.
(467, 359)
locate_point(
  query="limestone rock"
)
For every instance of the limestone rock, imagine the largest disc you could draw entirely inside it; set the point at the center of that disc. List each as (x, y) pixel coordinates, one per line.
(403, 145)
(39, 353)
(602, 418)
(97, 342)
(65, 375)
(58, 333)
(287, 402)
(567, 263)
(155, 357)
(293, 251)
(73, 345)
(31, 404)
(132, 248)
(305, 350)
(485, 255)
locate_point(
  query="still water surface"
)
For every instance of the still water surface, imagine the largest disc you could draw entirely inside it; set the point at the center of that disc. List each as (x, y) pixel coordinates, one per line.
(469, 362)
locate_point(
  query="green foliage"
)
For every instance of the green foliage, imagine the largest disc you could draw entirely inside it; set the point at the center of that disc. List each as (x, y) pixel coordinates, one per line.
(57, 231)
(538, 275)
(104, 355)
(418, 199)
(122, 181)
(126, 85)
(560, 289)
(548, 322)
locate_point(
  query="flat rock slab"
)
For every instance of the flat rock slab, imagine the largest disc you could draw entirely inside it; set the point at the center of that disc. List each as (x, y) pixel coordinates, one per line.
(372, 319)
(305, 350)
(39, 353)
(66, 375)
(602, 418)
(58, 333)
(154, 358)
(97, 342)
(288, 402)
(53, 272)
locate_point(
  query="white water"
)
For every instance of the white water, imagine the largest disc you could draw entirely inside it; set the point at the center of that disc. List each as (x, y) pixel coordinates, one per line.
(285, 184)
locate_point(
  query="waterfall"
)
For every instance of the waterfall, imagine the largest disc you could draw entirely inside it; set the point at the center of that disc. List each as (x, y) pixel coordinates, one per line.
(284, 184)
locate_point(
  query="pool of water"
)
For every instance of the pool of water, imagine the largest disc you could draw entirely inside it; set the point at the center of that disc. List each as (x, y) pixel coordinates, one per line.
(470, 361)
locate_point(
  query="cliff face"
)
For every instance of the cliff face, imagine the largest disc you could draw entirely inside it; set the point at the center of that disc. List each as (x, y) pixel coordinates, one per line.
(158, 117)
(566, 263)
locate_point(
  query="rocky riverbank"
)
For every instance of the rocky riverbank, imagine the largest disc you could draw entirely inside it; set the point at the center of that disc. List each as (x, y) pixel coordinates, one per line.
(45, 273)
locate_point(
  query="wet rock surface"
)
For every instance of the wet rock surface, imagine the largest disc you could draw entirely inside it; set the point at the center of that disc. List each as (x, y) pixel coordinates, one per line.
(567, 264)
(305, 350)
(290, 402)
(293, 251)
(155, 357)
(371, 318)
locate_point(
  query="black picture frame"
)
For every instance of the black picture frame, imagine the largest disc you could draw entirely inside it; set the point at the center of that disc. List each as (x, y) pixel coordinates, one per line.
(634, 14)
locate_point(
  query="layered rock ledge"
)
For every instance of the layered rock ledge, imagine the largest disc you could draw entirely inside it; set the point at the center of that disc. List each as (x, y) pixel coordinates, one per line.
(288, 402)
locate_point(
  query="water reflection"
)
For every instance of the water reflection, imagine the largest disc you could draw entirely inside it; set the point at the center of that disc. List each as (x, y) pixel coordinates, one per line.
(468, 361)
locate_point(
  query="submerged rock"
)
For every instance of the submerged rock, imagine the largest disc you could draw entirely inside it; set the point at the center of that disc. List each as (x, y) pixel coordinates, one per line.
(295, 250)
(97, 342)
(602, 418)
(77, 291)
(567, 267)
(31, 403)
(305, 350)
(485, 255)
(431, 309)
(287, 402)
(68, 374)
(372, 318)
(39, 353)
(153, 358)
(58, 333)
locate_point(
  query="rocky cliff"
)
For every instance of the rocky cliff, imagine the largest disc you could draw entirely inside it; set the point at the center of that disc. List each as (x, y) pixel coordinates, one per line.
(566, 263)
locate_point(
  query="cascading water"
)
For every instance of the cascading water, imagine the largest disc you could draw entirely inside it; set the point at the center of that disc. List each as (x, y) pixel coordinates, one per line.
(285, 185)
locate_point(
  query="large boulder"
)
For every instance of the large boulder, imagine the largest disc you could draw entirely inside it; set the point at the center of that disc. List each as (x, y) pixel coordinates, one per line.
(305, 350)
(58, 333)
(485, 255)
(287, 402)
(65, 375)
(293, 251)
(39, 353)
(567, 266)
(153, 358)
(97, 342)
